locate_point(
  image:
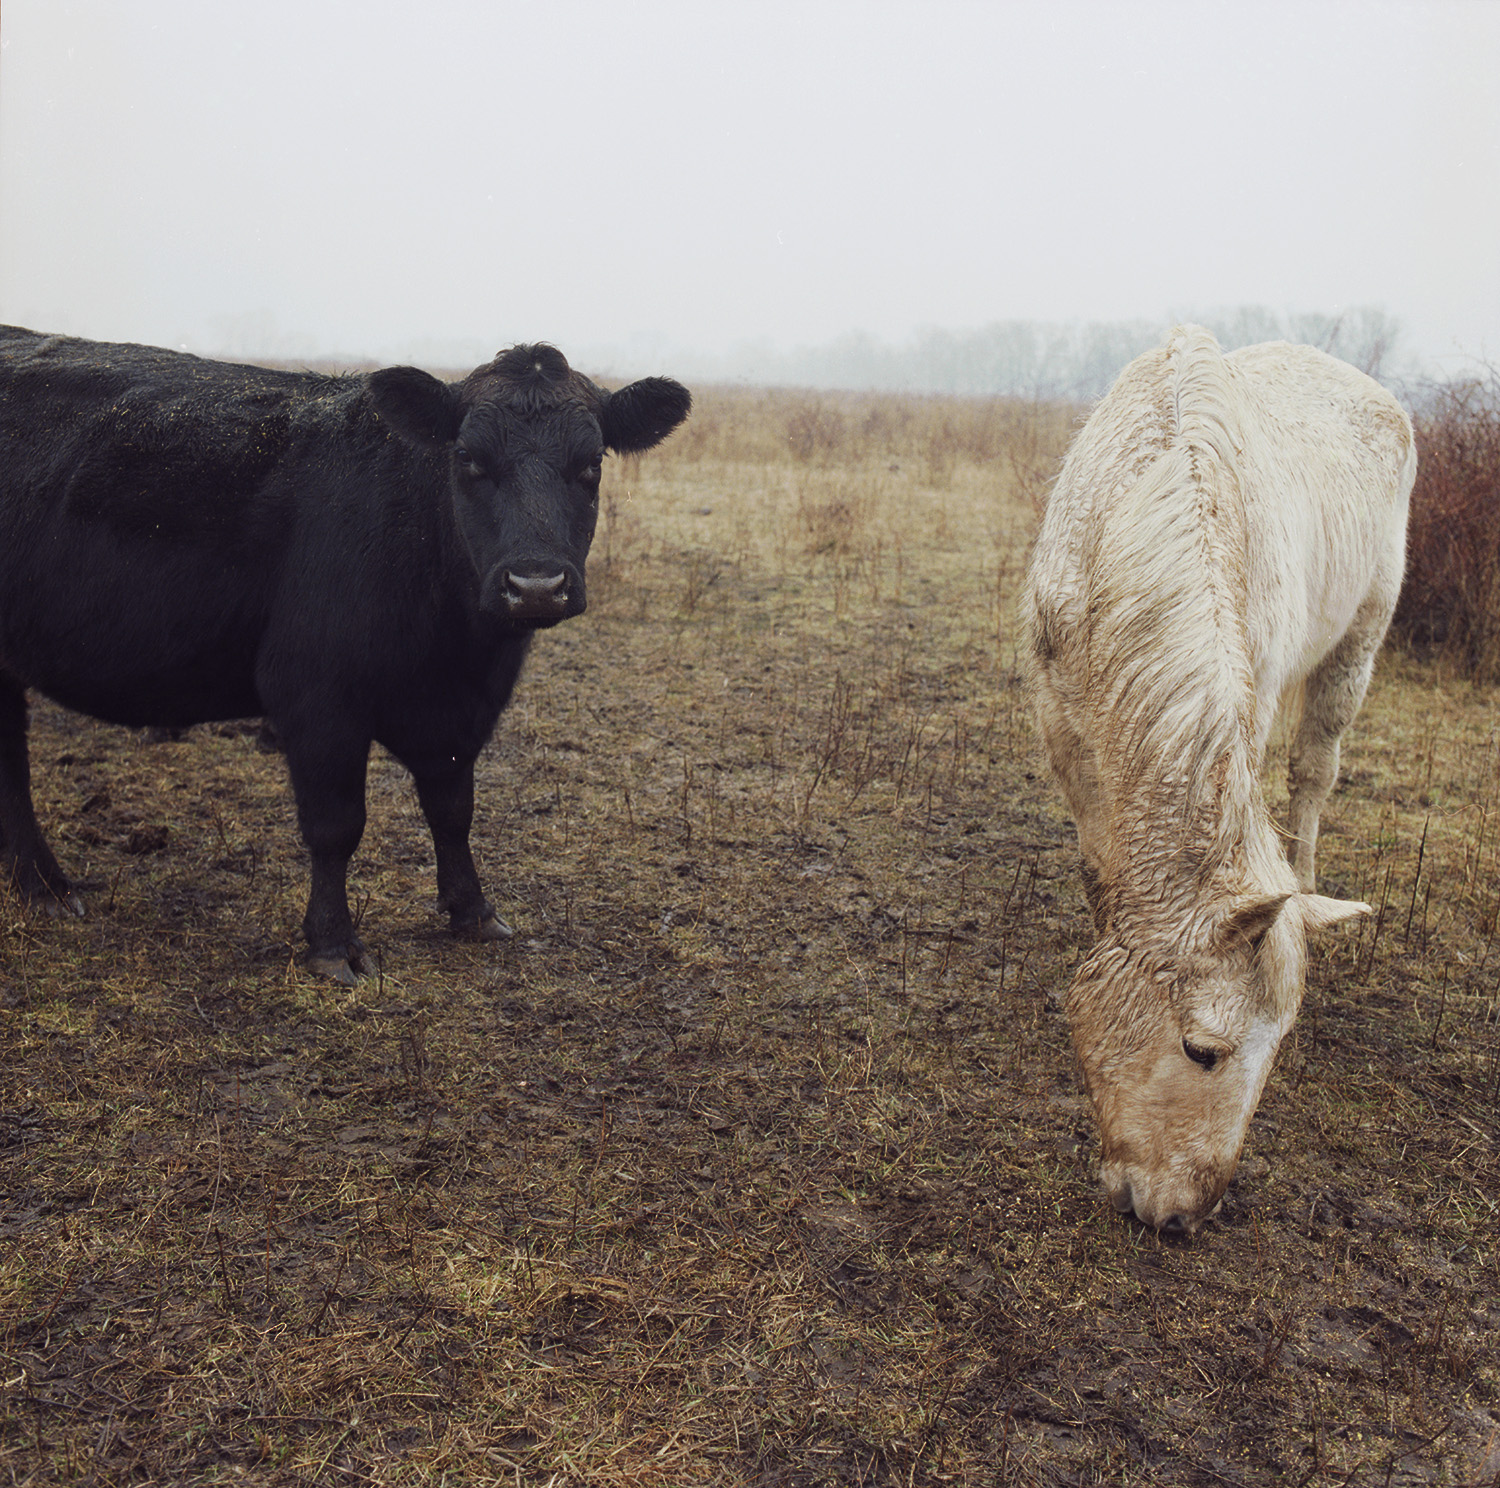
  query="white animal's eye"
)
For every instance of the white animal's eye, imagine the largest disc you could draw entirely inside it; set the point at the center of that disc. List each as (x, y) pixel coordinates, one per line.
(1208, 1058)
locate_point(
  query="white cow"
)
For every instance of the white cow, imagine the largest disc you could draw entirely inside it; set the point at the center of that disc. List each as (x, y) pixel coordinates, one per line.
(1224, 529)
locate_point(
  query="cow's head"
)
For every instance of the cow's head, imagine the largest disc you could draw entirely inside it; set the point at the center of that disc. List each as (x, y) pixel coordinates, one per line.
(525, 438)
(1176, 1039)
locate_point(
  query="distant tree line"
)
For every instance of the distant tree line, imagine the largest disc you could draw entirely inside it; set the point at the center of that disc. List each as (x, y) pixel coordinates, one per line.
(1037, 359)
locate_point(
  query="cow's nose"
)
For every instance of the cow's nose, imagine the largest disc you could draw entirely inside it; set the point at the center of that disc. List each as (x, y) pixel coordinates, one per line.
(535, 596)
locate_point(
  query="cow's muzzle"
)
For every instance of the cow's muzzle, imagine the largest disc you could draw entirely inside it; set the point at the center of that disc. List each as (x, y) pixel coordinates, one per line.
(533, 596)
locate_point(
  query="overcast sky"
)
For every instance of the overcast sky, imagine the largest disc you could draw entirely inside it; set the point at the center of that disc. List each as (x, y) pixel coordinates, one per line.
(435, 180)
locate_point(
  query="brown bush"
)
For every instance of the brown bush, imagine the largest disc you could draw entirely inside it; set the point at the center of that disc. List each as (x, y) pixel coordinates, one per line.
(815, 431)
(1450, 605)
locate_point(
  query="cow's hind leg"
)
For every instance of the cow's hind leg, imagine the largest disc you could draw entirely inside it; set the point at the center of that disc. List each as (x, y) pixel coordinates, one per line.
(1331, 697)
(446, 791)
(28, 863)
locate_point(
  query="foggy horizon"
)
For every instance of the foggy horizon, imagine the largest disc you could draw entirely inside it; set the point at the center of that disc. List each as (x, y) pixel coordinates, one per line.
(729, 190)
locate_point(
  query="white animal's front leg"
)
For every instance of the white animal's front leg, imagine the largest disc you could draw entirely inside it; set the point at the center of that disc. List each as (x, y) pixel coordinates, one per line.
(1331, 697)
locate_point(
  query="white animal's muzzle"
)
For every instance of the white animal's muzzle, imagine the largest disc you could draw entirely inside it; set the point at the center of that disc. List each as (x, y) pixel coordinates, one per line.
(1172, 1204)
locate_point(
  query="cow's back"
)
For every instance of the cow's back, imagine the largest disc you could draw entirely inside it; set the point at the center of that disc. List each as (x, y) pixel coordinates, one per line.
(150, 441)
(149, 502)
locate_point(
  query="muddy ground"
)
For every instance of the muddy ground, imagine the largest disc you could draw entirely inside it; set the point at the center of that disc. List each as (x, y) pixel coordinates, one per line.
(758, 1156)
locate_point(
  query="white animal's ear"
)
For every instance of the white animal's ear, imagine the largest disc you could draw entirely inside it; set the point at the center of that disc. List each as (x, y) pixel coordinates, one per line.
(1320, 913)
(1248, 920)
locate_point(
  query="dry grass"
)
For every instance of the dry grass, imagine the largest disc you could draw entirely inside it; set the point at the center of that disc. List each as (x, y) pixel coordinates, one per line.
(757, 1157)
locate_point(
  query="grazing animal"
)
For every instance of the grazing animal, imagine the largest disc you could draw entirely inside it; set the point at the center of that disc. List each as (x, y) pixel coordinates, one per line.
(1227, 532)
(351, 558)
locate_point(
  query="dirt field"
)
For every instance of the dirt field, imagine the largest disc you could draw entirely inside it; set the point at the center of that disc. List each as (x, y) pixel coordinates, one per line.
(757, 1157)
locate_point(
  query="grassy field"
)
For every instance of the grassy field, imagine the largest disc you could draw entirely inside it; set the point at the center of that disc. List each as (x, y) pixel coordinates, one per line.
(758, 1157)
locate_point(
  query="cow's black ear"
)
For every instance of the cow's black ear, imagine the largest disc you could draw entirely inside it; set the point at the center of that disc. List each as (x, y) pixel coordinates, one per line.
(415, 404)
(643, 414)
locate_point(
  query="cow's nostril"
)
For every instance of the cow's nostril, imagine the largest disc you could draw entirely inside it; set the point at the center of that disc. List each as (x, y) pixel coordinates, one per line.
(535, 586)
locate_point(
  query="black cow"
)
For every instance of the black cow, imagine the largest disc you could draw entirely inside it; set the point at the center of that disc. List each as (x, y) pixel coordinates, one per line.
(351, 558)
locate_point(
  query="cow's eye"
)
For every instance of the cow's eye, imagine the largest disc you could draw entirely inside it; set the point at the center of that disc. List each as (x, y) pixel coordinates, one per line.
(465, 458)
(1208, 1058)
(590, 473)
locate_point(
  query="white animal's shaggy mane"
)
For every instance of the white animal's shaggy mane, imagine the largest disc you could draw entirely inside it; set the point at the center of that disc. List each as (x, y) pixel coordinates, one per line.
(1168, 691)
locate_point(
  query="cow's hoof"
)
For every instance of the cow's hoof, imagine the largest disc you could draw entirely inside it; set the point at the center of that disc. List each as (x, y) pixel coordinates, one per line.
(489, 926)
(40, 897)
(346, 967)
(492, 927)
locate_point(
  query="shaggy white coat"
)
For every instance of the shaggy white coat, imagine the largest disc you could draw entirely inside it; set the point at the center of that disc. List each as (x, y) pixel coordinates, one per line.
(1227, 535)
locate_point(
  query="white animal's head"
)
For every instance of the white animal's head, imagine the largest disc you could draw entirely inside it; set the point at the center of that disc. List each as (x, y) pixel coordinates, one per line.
(1176, 1038)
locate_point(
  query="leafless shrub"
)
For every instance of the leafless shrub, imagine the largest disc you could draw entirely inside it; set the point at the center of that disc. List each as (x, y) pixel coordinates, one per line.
(815, 431)
(1450, 606)
(700, 572)
(833, 516)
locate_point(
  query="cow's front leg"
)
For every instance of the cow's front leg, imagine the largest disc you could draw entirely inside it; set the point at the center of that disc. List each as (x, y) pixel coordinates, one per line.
(328, 779)
(24, 853)
(446, 790)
